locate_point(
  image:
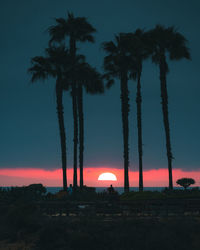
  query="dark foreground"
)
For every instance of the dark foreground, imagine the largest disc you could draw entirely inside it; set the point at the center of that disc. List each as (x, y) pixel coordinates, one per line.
(101, 233)
(139, 221)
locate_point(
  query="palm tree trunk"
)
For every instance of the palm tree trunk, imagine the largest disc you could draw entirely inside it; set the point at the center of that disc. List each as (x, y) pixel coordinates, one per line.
(139, 125)
(74, 104)
(125, 112)
(164, 97)
(75, 117)
(81, 132)
(59, 93)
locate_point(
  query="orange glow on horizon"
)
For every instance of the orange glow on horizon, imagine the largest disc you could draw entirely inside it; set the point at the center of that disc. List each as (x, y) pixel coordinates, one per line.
(152, 178)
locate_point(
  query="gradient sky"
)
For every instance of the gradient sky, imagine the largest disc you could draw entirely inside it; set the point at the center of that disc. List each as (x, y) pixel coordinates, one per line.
(28, 125)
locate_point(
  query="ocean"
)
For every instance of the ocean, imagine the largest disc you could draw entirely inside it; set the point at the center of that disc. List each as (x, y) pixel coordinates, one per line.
(120, 190)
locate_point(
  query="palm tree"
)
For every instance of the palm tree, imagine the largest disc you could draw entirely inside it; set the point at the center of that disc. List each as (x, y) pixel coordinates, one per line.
(78, 30)
(139, 50)
(167, 41)
(86, 77)
(117, 64)
(42, 68)
(91, 80)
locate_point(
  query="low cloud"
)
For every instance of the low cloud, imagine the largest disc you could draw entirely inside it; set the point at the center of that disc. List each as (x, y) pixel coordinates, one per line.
(152, 178)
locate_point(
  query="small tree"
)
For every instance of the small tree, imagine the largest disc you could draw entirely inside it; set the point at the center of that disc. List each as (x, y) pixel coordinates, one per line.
(185, 182)
(37, 189)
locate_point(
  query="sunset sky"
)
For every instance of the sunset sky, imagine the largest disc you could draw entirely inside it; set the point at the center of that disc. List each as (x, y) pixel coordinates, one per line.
(29, 136)
(53, 178)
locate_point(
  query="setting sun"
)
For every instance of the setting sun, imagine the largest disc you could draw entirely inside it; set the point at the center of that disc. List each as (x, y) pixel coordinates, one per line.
(107, 177)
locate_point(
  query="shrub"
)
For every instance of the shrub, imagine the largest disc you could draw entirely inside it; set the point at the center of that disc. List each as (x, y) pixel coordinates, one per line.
(185, 182)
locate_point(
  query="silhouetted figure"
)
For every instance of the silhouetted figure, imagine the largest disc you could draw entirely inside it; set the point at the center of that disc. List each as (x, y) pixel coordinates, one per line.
(111, 190)
(70, 189)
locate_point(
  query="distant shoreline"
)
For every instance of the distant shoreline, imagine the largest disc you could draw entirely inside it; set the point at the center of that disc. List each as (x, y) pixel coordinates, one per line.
(120, 190)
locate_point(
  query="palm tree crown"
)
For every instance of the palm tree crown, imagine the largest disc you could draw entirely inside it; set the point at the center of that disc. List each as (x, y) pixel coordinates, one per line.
(119, 57)
(77, 27)
(167, 40)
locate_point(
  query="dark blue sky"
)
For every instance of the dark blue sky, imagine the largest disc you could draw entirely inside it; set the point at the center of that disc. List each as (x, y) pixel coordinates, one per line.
(29, 130)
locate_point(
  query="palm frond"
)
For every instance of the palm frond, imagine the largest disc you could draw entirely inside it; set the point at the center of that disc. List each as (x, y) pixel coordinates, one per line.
(77, 27)
(167, 40)
(40, 69)
(58, 32)
(109, 47)
(178, 48)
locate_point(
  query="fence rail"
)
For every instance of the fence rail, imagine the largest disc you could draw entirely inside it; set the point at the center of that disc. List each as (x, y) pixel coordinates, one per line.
(122, 208)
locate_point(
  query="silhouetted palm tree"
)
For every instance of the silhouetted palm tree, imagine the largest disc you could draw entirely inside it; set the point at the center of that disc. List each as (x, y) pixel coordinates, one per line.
(91, 80)
(77, 29)
(87, 77)
(139, 50)
(118, 64)
(52, 65)
(167, 41)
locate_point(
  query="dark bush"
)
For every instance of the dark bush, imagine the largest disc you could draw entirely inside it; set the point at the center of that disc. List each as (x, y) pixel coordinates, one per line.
(185, 182)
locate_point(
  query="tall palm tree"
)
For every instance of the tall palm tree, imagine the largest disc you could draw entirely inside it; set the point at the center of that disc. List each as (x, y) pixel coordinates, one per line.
(139, 50)
(91, 80)
(78, 30)
(117, 64)
(86, 77)
(42, 68)
(167, 41)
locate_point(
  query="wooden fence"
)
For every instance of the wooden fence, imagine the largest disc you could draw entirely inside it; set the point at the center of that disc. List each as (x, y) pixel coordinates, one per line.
(170, 207)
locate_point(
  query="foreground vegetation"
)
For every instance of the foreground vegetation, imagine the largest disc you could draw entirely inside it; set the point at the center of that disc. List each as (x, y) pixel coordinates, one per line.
(37, 192)
(24, 226)
(36, 232)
